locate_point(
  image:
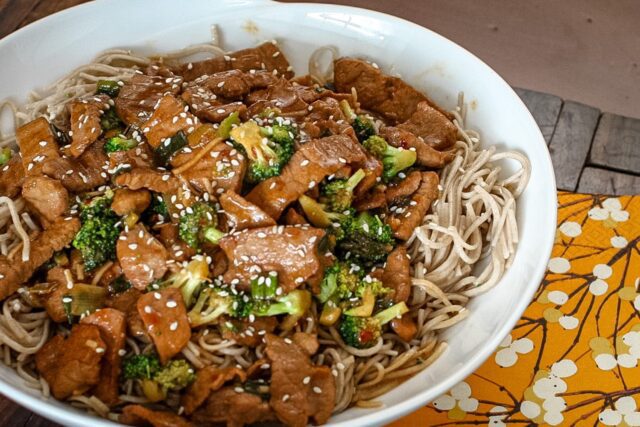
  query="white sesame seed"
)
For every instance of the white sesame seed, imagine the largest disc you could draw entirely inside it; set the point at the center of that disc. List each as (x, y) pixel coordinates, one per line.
(173, 326)
(306, 380)
(317, 390)
(148, 309)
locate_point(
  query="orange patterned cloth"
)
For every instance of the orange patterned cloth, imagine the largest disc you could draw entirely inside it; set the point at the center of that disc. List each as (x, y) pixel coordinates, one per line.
(574, 356)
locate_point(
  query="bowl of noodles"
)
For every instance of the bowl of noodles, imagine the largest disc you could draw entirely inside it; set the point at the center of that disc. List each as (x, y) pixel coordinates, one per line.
(476, 257)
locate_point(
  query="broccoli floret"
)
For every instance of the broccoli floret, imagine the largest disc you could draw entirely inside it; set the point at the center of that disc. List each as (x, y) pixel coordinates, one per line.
(338, 194)
(140, 366)
(96, 240)
(281, 134)
(393, 159)
(176, 375)
(341, 281)
(118, 143)
(264, 288)
(216, 301)
(110, 120)
(5, 155)
(227, 124)
(198, 225)
(295, 303)
(363, 332)
(119, 285)
(267, 157)
(365, 239)
(189, 279)
(319, 215)
(108, 87)
(363, 127)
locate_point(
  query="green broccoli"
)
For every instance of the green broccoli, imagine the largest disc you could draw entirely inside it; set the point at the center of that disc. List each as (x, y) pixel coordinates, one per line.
(215, 301)
(319, 215)
(267, 156)
(188, 279)
(198, 225)
(110, 120)
(264, 288)
(295, 303)
(140, 366)
(224, 130)
(338, 194)
(119, 285)
(118, 143)
(393, 159)
(154, 379)
(365, 239)
(175, 375)
(362, 126)
(341, 281)
(108, 87)
(5, 155)
(96, 240)
(363, 332)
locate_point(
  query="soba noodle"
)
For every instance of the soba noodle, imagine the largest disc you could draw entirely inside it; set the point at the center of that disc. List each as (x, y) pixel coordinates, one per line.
(461, 249)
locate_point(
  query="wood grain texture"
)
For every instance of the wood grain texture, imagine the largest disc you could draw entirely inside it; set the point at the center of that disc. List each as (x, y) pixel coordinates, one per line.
(13, 12)
(570, 143)
(46, 8)
(603, 181)
(617, 143)
(545, 109)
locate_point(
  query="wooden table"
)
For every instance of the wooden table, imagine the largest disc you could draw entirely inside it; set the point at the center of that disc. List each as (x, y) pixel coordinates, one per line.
(592, 152)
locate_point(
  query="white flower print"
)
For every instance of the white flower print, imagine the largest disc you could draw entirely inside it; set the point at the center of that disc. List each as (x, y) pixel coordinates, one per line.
(508, 355)
(625, 409)
(611, 208)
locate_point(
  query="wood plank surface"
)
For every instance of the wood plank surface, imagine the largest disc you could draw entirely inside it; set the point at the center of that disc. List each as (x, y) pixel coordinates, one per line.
(13, 12)
(617, 143)
(604, 181)
(545, 109)
(570, 143)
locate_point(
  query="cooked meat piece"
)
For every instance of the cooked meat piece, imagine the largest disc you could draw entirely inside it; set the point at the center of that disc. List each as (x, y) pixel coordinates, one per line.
(52, 301)
(266, 56)
(405, 327)
(72, 366)
(310, 389)
(169, 117)
(47, 197)
(308, 342)
(242, 214)
(373, 169)
(12, 176)
(397, 274)
(110, 275)
(308, 167)
(126, 302)
(208, 380)
(37, 145)
(205, 106)
(139, 96)
(138, 415)
(138, 178)
(15, 272)
(283, 96)
(82, 174)
(227, 406)
(139, 157)
(142, 257)
(292, 217)
(373, 200)
(435, 128)
(289, 251)
(426, 155)
(126, 201)
(403, 188)
(112, 327)
(388, 96)
(326, 118)
(178, 249)
(85, 122)
(165, 318)
(246, 332)
(409, 215)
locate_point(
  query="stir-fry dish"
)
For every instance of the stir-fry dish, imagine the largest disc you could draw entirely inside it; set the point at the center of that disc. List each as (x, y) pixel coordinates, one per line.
(222, 242)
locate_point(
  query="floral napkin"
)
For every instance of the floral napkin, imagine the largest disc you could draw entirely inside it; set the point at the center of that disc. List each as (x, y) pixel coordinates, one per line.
(573, 359)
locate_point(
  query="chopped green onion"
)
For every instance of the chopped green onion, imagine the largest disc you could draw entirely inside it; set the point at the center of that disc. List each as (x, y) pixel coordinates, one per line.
(108, 87)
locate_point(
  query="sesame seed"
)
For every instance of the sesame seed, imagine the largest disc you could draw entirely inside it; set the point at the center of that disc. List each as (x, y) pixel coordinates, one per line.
(122, 352)
(317, 390)
(148, 309)
(157, 295)
(306, 380)
(133, 246)
(172, 304)
(285, 397)
(173, 326)
(99, 350)
(239, 390)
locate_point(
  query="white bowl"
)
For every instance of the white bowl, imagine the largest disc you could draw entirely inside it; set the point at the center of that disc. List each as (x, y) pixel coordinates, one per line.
(44, 51)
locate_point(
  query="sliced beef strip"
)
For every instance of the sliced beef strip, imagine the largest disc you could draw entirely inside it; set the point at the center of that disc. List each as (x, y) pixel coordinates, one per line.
(283, 96)
(37, 145)
(308, 342)
(403, 188)
(208, 380)
(220, 170)
(12, 176)
(409, 215)
(227, 406)
(242, 214)
(139, 157)
(405, 327)
(426, 155)
(15, 272)
(127, 201)
(246, 332)
(292, 217)
(310, 388)
(142, 257)
(178, 249)
(167, 119)
(206, 106)
(126, 302)
(52, 300)
(72, 366)
(397, 274)
(82, 174)
(372, 200)
(433, 127)
(388, 96)
(266, 56)
(165, 319)
(85, 122)
(308, 167)
(112, 327)
(373, 169)
(326, 118)
(154, 180)
(138, 415)
(288, 250)
(139, 96)
(47, 197)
